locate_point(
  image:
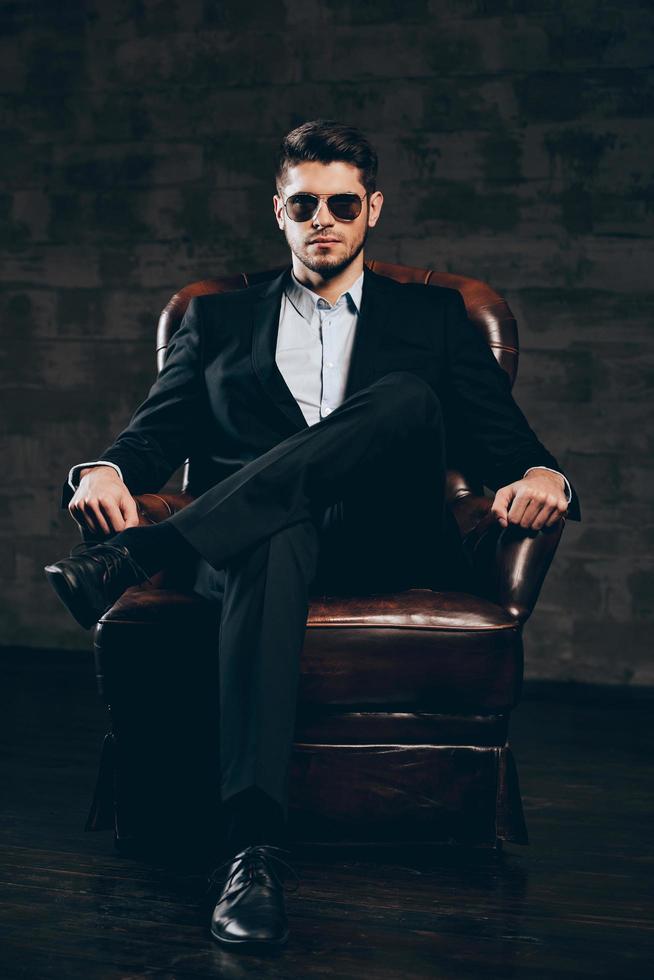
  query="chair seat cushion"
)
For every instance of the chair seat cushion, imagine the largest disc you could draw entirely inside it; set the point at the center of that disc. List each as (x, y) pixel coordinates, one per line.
(413, 609)
(436, 651)
(416, 650)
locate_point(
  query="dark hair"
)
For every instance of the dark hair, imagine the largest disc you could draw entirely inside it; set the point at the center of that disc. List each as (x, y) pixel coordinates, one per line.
(327, 141)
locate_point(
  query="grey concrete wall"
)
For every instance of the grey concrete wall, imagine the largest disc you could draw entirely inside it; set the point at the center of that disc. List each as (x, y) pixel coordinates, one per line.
(514, 141)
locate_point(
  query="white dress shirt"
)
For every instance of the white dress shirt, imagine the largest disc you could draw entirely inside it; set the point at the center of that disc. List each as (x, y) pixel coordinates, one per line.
(314, 346)
(313, 353)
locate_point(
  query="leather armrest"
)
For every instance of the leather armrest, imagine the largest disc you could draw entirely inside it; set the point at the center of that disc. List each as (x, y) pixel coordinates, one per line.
(473, 515)
(156, 507)
(510, 563)
(522, 558)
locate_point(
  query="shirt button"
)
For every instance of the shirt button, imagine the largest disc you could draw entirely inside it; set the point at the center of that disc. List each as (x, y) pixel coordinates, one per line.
(329, 364)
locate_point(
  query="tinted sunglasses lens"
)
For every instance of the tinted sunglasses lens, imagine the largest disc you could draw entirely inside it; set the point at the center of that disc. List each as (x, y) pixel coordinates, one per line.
(301, 207)
(347, 207)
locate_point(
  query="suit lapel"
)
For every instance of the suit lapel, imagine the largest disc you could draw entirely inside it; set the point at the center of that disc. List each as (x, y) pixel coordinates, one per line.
(375, 307)
(265, 327)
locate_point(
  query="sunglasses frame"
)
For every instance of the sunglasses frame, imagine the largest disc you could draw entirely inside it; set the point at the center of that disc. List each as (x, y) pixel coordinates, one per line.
(320, 198)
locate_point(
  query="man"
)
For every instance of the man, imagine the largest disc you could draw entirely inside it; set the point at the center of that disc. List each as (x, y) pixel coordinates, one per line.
(318, 410)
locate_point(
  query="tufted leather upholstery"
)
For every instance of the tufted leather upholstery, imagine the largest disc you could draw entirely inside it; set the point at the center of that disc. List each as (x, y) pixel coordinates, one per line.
(404, 698)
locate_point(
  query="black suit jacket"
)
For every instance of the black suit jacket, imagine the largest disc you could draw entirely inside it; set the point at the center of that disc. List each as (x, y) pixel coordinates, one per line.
(221, 400)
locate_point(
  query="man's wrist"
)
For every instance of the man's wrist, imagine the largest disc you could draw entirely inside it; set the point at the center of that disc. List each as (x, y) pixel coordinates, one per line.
(565, 484)
(98, 466)
(81, 469)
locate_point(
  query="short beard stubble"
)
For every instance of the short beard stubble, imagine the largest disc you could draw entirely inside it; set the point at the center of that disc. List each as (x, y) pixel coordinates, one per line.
(322, 264)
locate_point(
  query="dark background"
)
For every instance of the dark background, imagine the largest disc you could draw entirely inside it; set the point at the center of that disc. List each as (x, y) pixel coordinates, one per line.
(515, 147)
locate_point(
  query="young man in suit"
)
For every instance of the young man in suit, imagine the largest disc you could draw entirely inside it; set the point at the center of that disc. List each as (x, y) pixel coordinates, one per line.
(318, 410)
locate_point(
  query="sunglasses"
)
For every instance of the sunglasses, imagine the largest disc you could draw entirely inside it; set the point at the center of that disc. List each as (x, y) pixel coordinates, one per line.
(344, 207)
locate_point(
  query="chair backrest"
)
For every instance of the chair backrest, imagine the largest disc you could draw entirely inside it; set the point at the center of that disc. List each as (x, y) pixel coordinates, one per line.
(486, 309)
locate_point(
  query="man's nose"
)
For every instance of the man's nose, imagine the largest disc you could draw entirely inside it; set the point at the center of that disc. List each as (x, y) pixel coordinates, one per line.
(323, 216)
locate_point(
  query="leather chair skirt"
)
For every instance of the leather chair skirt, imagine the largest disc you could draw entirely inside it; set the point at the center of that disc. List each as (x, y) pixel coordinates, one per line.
(401, 730)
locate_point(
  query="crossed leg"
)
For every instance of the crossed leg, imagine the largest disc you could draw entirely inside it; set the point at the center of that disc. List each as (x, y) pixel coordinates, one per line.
(365, 444)
(352, 505)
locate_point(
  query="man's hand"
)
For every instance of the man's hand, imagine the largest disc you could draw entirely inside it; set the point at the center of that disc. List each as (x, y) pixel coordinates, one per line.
(536, 501)
(102, 502)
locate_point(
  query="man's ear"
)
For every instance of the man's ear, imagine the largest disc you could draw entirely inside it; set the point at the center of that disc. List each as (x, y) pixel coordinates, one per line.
(280, 214)
(375, 200)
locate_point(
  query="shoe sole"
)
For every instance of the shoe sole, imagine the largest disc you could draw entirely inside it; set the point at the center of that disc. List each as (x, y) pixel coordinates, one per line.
(69, 595)
(255, 945)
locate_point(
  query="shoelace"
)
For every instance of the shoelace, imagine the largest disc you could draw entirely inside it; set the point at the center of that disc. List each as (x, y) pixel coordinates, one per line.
(250, 860)
(110, 558)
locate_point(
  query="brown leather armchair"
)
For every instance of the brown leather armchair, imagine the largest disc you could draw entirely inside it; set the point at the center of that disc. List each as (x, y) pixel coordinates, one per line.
(404, 698)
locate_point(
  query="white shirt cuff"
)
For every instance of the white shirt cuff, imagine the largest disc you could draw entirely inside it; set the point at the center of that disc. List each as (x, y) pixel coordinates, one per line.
(568, 490)
(73, 481)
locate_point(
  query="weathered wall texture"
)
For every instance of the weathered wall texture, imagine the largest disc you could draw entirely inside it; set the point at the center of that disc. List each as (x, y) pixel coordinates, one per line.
(514, 139)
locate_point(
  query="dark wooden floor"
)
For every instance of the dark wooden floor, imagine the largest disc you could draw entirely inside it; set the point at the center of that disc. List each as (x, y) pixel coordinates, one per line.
(576, 903)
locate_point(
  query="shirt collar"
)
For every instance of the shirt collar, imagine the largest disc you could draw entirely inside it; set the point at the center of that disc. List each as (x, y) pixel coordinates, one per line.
(304, 300)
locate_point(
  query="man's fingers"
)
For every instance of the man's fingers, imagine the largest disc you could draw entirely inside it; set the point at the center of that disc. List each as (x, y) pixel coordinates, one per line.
(530, 504)
(129, 510)
(82, 521)
(519, 506)
(524, 510)
(557, 514)
(540, 510)
(99, 518)
(548, 514)
(81, 517)
(113, 514)
(86, 514)
(501, 504)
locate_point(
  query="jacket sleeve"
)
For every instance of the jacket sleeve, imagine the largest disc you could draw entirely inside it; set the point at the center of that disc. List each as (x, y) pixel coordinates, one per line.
(162, 430)
(480, 392)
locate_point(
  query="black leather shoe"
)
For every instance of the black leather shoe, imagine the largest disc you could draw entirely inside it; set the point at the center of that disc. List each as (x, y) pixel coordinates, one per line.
(91, 580)
(250, 912)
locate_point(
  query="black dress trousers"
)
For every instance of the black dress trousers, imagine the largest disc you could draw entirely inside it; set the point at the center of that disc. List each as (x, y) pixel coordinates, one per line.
(353, 504)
